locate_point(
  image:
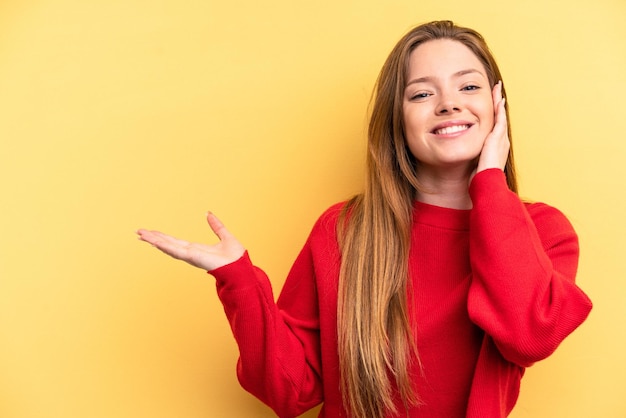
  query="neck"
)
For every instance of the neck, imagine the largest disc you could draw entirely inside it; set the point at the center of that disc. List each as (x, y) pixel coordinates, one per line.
(445, 188)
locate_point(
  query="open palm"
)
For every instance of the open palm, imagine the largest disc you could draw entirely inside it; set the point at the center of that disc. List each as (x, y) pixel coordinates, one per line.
(207, 257)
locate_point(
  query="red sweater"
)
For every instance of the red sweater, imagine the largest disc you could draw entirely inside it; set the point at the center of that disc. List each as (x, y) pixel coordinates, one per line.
(494, 291)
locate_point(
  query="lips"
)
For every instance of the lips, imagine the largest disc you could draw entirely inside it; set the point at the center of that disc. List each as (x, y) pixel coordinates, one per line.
(450, 128)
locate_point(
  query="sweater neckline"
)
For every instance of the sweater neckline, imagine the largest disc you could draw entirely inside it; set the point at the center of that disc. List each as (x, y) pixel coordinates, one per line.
(439, 216)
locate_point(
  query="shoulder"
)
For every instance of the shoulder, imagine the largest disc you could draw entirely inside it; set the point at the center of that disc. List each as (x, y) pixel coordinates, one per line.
(545, 214)
(550, 221)
(328, 220)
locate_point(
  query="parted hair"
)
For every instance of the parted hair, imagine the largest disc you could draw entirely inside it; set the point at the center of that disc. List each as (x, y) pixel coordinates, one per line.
(376, 343)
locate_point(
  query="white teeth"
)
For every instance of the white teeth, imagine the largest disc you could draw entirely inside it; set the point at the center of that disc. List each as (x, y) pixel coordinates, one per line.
(451, 129)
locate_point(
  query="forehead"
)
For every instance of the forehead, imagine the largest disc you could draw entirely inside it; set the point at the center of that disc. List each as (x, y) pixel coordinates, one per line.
(441, 58)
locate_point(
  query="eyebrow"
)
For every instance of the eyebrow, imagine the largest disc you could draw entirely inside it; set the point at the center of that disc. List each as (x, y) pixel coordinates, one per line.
(457, 74)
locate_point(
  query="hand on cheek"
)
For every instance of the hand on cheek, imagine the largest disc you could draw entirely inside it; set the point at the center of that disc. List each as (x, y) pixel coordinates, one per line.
(496, 147)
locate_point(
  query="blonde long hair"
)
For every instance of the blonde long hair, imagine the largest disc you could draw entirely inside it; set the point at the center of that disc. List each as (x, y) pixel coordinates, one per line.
(376, 344)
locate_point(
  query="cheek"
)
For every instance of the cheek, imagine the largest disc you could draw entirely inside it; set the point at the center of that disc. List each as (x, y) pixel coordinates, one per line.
(488, 115)
(414, 121)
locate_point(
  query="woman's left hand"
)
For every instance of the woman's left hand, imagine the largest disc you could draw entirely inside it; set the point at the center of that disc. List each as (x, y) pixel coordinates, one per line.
(495, 150)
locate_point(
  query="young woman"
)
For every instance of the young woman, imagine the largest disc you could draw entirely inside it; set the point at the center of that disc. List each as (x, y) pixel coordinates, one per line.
(428, 294)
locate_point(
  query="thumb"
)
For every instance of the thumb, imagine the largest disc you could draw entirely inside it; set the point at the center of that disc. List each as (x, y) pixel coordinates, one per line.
(217, 227)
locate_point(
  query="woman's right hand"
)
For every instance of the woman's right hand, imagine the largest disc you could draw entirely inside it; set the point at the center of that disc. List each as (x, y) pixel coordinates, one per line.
(207, 257)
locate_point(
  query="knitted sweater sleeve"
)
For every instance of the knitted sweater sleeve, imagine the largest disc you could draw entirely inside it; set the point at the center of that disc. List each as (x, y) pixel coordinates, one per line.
(279, 359)
(524, 260)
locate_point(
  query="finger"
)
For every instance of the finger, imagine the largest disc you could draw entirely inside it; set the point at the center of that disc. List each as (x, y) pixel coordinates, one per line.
(145, 235)
(217, 227)
(501, 121)
(171, 246)
(496, 95)
(499, 107)
(161, 240)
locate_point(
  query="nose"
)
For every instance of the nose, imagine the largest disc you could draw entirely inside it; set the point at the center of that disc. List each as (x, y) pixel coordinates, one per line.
(447, 104)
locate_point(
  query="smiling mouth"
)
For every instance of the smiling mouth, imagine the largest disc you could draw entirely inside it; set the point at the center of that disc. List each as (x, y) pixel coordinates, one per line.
(451, 129)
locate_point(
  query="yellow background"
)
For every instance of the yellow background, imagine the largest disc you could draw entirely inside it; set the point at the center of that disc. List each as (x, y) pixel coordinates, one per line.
(120, 114)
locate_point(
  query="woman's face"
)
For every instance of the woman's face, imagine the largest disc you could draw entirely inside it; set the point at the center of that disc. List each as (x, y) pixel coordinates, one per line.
(448, 106)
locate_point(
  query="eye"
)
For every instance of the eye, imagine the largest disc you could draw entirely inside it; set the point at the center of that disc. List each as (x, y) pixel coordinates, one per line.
(420, 96)
(470, 87)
